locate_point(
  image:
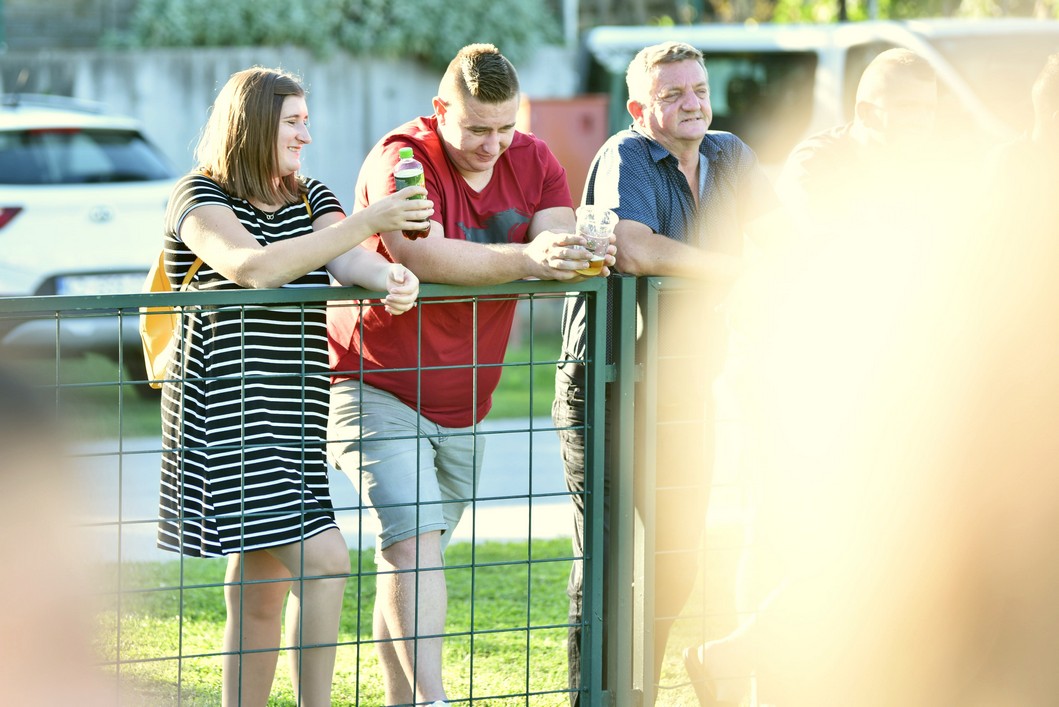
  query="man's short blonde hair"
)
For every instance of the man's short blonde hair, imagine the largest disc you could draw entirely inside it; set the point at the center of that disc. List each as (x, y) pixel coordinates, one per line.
(481, 72)
(638, 75)
(890, 69)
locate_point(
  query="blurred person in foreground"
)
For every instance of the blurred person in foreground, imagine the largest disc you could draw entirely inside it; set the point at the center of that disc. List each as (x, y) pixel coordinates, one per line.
(1024, 172)
(244, 406)
(880, 170)
(871, 180)
(422, 385)
(912, 407)
(908, 399)
(687, 198)
(47, 658)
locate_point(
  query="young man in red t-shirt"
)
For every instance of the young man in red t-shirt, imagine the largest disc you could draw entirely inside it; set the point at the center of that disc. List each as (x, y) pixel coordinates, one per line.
(407, 396)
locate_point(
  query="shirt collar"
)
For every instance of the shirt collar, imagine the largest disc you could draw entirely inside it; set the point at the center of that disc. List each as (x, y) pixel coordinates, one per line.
(658, 153)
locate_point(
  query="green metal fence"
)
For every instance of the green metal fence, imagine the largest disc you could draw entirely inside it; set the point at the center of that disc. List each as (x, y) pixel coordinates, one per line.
(683, 419)
(158, 629)
(506, 569)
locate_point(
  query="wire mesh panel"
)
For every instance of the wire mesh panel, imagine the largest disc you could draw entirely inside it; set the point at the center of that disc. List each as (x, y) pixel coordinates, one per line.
(689, 532)
(159, 632)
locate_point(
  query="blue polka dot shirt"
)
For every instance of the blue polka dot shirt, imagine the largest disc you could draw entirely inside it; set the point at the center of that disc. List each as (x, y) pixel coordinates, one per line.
(641, 181)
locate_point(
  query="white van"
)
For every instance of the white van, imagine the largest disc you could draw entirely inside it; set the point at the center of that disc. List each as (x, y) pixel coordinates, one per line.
(774, 85)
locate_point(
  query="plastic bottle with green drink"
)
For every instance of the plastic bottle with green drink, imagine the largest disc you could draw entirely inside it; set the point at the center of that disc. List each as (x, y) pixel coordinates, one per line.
(409, 173)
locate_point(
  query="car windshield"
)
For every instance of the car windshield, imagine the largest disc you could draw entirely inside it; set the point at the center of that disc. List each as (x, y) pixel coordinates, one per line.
(76, 156)
(1001, 69)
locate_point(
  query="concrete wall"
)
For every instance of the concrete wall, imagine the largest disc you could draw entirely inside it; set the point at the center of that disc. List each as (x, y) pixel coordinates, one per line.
(352, 101)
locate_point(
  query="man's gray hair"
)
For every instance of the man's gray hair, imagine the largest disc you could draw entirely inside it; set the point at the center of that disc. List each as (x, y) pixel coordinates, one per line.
(638, 75)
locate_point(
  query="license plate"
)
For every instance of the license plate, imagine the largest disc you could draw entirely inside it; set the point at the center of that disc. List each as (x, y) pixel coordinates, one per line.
(116, 283)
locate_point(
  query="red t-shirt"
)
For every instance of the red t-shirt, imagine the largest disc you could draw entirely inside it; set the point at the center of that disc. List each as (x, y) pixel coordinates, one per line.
(438, 337)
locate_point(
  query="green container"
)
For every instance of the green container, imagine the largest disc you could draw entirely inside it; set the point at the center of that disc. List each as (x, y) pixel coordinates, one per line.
(408, 172)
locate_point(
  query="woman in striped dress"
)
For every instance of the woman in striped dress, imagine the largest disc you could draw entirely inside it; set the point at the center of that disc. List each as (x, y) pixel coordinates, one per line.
(244, 412)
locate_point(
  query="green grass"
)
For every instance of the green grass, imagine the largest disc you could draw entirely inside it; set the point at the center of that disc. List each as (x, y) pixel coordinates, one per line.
(527, 384)
(514, 609)
(89, 398)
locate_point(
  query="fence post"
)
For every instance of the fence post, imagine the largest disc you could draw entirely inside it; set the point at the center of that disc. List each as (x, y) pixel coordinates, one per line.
(644, 528)
(621, 635)
(595, 417)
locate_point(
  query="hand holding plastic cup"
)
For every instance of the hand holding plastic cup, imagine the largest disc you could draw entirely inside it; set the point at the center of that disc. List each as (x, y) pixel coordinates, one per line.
(595, 224)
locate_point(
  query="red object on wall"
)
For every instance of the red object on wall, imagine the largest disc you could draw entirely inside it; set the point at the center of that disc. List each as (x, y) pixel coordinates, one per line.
(574, 128)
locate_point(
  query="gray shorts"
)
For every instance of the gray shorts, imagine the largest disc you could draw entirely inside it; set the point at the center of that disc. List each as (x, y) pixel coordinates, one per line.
(416, 474)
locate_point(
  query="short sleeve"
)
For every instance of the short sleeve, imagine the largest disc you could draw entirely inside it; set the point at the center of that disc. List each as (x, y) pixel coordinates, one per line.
(620, 180)
(815, 171)
(376, 181)
(376, 175)
(556, 188)
(322, 200)
(192, 191)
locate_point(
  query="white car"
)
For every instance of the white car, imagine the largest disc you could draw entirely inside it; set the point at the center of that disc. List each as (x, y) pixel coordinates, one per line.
(82, 201)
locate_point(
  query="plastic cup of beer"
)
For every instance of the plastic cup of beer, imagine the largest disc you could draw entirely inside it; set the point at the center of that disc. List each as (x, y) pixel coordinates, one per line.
(595, 224)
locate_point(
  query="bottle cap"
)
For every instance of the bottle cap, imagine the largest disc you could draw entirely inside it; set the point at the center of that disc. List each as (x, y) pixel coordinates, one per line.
(405, 153)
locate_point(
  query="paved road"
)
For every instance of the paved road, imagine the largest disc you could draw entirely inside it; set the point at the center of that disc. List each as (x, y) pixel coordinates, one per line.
(522, 493)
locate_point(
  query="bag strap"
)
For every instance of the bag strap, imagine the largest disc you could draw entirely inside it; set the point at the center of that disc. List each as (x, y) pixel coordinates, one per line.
(191, 273)
(307, 207)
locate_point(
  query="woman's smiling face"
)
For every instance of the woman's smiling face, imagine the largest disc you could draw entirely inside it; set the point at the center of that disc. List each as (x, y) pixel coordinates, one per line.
(292, 135)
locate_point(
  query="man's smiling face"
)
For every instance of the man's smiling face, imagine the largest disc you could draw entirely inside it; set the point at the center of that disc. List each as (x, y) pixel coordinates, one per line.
(676, 110)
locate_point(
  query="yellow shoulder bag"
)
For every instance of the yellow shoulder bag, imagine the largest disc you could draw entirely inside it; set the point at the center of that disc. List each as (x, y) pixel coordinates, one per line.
(158, 325)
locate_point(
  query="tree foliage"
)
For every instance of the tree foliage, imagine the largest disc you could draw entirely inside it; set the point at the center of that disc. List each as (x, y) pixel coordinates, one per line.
(671, 12)
(429, 30)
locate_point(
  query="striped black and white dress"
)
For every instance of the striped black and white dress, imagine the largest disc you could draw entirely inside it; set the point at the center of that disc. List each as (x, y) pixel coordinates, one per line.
(245, 419)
